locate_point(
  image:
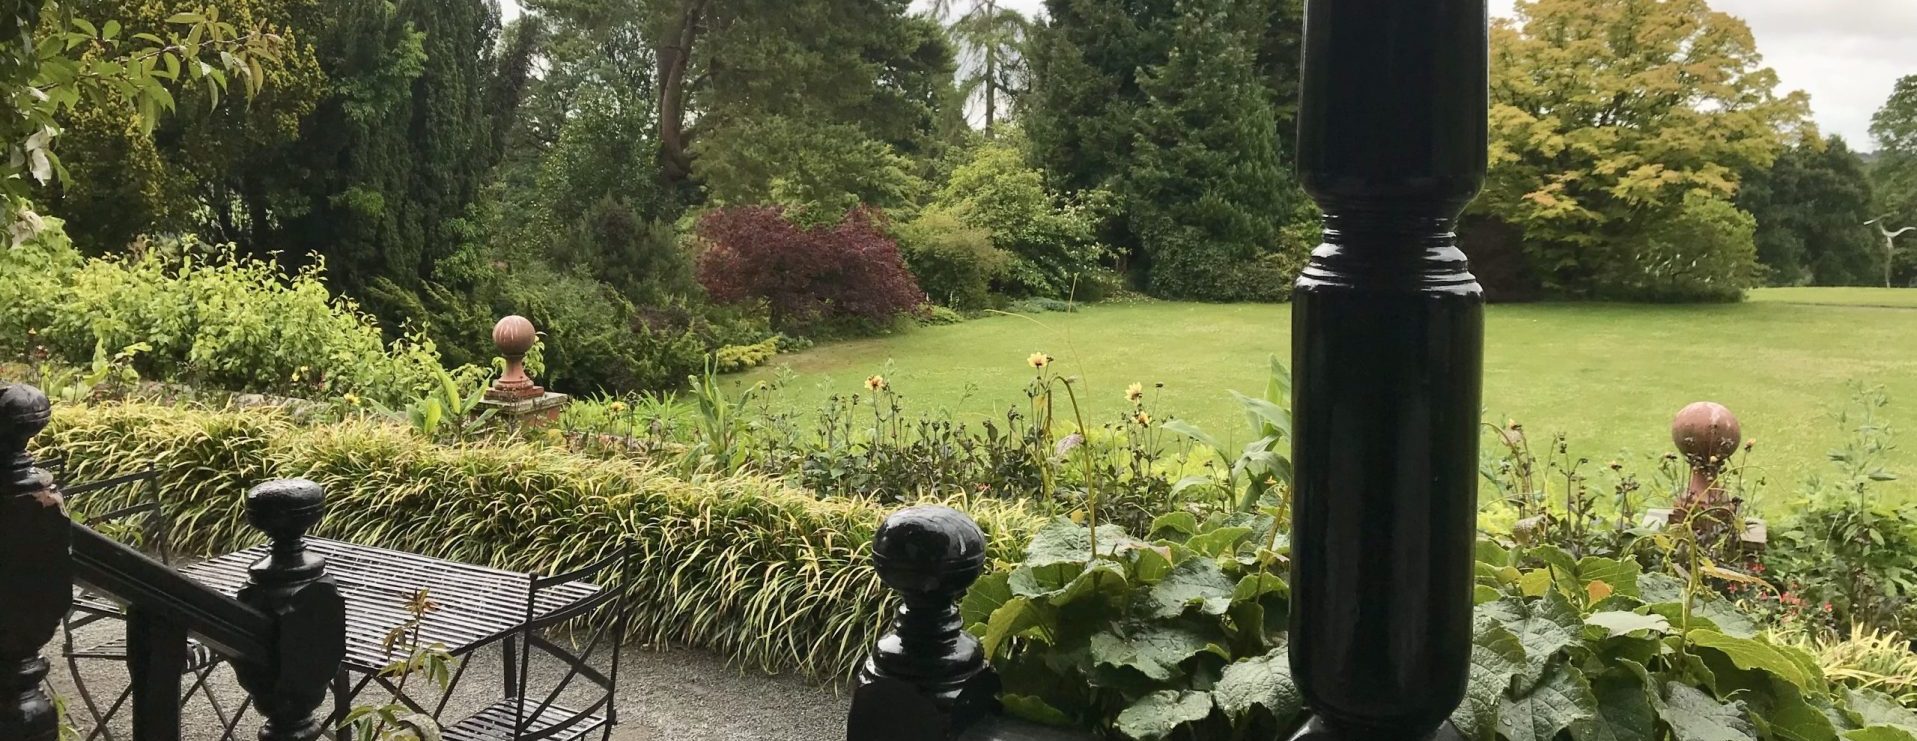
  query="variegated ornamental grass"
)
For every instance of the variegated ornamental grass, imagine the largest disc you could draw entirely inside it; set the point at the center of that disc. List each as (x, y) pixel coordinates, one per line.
(771, 575)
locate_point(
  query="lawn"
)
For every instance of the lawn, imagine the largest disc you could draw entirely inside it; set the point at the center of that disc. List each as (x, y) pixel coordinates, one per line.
(1608, 375)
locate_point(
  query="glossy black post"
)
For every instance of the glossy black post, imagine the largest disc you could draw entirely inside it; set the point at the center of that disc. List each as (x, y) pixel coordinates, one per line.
(309, 617)
(36, 568)
(156, 659)
(1388, 351)
(927, 677)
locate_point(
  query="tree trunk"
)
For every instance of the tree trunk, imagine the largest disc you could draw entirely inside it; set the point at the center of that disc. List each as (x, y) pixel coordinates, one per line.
(675, 63)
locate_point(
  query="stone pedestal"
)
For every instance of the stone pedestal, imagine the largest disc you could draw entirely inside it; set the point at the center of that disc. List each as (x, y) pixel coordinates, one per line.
(537, 411)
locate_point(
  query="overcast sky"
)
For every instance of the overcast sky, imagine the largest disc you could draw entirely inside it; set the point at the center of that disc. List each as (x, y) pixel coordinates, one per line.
(1846, 53)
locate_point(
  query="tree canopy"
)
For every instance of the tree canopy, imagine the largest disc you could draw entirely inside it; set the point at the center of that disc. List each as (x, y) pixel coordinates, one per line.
(1895, 174)
(1606, 117)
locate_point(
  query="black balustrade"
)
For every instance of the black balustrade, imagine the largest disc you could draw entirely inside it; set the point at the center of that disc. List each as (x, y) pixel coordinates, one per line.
(285, 634)
(1387, 347)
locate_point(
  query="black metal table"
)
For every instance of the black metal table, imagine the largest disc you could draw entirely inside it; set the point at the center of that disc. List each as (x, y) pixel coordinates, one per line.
(477, 605)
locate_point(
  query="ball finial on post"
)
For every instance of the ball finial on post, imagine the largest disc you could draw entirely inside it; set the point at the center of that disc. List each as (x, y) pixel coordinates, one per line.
(1707, 434)
(926, 672)
(514, 336)
(290, 584)
(36, 587)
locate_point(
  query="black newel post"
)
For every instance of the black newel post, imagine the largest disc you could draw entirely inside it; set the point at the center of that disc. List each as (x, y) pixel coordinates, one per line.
(291, 585)
(36, 568)
(927, 678)
(1388, 349)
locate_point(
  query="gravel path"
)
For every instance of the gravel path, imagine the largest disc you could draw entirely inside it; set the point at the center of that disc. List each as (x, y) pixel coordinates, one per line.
(669, 694)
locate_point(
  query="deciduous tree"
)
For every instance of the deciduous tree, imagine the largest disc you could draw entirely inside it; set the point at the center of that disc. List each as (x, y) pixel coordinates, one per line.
(1607, 116)
(1811, 205)
(1895, 173)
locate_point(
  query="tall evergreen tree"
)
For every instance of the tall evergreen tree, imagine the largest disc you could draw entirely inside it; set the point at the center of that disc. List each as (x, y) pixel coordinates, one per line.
(991, 40)
(1205, 191)
(1811, 205)
(399, 152)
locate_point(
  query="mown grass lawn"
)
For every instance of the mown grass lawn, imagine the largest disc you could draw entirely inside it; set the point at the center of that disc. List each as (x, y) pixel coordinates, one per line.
(1608, 375)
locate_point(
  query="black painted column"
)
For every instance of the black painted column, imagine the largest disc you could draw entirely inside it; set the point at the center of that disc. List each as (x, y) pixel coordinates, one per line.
(36, 568)
(291, 585)
(1388, 350)
(926, 680)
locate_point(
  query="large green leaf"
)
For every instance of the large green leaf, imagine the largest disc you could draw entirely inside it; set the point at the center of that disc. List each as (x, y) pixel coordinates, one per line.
(1099, 577)
(1264, 681)
(1063, 541)
(1620, 576)
(1561, 698)
(1750, 654)
(1694, 715)
(1786, 716)
(1880, 733)
(1158, 714)
(1496, 657)
(1872, 708)
(1543, 626)
(1219, 542)
(1017, 617)
(1624, 706)
(1194, 582)
(985, 596)
(1153, 650)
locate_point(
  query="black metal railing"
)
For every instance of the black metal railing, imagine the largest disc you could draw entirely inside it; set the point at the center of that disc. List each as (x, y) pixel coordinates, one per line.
(284, 633)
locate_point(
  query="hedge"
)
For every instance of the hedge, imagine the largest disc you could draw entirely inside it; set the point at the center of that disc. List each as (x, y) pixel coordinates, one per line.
(770, 575)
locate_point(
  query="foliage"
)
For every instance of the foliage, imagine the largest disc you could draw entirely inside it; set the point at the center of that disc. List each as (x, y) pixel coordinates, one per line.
(1866, 659)
(1610, 118)
(1153, 100)
(205, 168)
(1051, 244)
(1206, 193)
(773, 576)
(805, 276)
(1704, 250)
(735, 358)
(384, 206)
(208, 317)
(1895, 173)
(448, 407)
(815, 104)
(992, 39)
(955, 263)
(1182, 637)
(1185, 633)
(1262, 471)
(1810, 206)
(1844, 555)
(70, 64)
(395, 720)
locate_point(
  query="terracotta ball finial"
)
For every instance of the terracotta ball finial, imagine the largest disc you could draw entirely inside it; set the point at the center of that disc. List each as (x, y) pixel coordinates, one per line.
(1706, 433)
(514, 336)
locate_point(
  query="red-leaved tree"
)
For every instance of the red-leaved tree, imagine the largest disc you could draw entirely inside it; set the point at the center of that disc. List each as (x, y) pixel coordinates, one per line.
(849, 270)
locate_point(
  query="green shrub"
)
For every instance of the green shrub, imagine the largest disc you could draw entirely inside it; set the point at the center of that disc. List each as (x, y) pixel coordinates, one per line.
(956, 264)
(1053, 243)
(1184, 637)
(209, 318)
(773, 576)
(1705, 250)
(735, 358)
(933, 315)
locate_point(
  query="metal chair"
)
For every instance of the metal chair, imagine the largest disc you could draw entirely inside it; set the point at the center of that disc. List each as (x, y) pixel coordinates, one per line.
(551, 602)
(90, 608)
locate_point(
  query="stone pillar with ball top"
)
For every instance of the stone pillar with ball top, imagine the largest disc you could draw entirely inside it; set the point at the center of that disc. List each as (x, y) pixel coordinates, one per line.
(514, 396)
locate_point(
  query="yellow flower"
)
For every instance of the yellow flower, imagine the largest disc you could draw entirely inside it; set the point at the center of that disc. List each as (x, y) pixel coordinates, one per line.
(1135, 392)
(875, 384)
(1039, 360)
(1143, 419)
(618, 407)
(351, 399)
